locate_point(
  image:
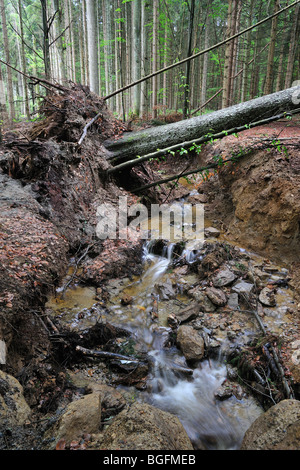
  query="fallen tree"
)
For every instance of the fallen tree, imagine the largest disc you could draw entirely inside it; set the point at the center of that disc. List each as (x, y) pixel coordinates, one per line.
(137, 144)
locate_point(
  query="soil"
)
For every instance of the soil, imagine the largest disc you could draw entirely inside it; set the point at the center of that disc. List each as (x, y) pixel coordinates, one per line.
(49, 192)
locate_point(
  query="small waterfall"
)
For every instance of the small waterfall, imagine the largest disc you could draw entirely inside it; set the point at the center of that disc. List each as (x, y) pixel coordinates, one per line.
(190, 393)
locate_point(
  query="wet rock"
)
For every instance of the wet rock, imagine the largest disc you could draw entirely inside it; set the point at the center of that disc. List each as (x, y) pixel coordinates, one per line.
(165, 290)
(267, 297)
(190, 343)
(81, 416)
(187, 313)
(277, 429)
(243, 287)
(144, 427)
(205, 304)
(216, 296)
(212, 232)
(224, 278)
(223, 392)
(126, 299)
(14, 411)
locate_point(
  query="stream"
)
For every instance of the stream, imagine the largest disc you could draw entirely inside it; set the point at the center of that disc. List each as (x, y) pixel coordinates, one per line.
(210, 423)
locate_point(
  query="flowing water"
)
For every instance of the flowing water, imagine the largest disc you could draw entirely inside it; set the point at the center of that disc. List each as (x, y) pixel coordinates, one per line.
(209, 422)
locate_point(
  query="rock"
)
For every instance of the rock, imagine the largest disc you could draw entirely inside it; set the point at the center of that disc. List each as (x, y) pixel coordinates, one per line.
(126, 299)
(212, 232)
(187, 313)
(197, 199)
(267, 297)
(144, 427)
(190, 343)
(233, 301)
(223, 392)
(2, 352)
(224, 278)
(14, 411)
(81, 416)
(277, 429)
(204, 302)
(216, 296)
(165, 290)
(243, 287)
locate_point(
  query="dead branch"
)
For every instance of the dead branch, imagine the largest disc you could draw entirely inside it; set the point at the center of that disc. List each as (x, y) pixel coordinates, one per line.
(106, 355)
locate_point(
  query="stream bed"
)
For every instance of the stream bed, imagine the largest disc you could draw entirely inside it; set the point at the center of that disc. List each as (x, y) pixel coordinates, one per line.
(211, 423)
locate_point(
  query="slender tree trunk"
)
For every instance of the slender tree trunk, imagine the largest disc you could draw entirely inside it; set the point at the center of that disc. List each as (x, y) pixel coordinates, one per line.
(154, 57)
(46, 50)
(143, 59)
(136, 56)
(188, 64)
(12, 113)
(92, 45)
(205, 64)
(270, 63)
(3, 110)
(23, 60)
(292, 48)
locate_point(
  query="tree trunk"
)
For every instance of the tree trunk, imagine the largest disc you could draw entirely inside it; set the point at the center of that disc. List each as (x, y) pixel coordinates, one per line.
(270, 66)
(188, 64)
(136, 55)
(92, 45)
(154, 58)
(23, 59)
(292, 48)
(139, 143)
(10, 92)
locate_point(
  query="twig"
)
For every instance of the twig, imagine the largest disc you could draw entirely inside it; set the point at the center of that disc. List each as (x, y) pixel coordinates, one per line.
(76, 268)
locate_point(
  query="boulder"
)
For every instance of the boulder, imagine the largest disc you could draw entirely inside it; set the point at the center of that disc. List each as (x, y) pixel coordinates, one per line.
(144, 427)
(190, 343)
(81, 416)
(277, 429)
(14, 411)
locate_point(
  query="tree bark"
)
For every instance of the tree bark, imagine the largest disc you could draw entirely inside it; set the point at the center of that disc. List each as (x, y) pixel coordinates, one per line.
(134, 144)
(270, 66)
(92, 46)
(10, 92)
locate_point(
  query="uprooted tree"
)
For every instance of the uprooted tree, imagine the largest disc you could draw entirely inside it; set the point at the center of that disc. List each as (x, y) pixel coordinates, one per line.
(135, 147)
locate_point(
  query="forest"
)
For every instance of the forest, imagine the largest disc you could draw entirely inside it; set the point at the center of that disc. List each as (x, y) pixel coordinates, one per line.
(109, 44)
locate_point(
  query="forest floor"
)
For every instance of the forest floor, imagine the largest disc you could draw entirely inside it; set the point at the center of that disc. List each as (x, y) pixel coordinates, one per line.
(49, 193)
